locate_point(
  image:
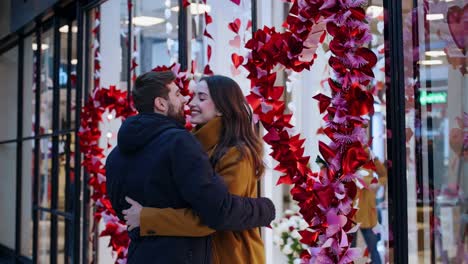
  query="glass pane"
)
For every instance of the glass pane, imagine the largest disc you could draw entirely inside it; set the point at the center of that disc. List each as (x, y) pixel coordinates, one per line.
(8, 194)
(112, 48)
(43, 248)
(9, 94)
(66, 99)
(47, 62)
(63, 75)
(156, 44)
(436, 124)
(45, 172)
(29, 85)
(227, 39)
(74, 62)
(64, 240)
(27, 198)
(64, 174)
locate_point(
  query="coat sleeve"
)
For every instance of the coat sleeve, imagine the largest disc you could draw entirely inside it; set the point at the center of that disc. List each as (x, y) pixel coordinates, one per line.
(172, 222)
(208, 195)
(237, 174)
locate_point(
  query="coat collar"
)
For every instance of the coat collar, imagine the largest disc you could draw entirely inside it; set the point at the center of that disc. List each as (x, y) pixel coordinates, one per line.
(209, 134)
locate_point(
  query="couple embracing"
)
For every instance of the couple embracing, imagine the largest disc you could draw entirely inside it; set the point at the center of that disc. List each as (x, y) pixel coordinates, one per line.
(189, 197)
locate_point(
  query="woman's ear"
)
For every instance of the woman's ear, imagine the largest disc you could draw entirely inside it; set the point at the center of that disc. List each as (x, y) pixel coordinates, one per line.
(160, 104)
(218, 113)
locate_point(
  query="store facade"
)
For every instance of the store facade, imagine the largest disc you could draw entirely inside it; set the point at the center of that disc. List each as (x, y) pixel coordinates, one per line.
(53, 54)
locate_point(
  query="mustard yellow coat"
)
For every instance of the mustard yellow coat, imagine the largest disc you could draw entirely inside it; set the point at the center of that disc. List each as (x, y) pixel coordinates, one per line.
(367, 213)
(228, 246)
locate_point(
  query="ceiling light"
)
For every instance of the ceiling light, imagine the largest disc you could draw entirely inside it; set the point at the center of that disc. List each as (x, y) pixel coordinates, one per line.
(145, 21)
(431, 62)
(195, 9)
(375, 11)
(435, 53)
(43, 46)
(64, 29)
(434, 16)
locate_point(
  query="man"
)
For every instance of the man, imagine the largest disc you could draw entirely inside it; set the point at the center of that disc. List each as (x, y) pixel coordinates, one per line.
(160, 164)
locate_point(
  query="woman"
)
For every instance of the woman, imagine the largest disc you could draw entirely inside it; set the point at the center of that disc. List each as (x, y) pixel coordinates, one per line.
(225, 130)
(367, 213)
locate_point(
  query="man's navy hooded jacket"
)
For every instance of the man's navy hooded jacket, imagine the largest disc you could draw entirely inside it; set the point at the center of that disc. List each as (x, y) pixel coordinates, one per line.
(160, 164)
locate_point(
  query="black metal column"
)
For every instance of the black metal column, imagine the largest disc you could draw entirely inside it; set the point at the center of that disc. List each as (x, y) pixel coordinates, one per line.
(396, 143)
(129, 51)
(183, 37)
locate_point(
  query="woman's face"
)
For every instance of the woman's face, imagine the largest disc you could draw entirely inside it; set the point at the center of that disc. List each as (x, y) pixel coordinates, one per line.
(202, 106)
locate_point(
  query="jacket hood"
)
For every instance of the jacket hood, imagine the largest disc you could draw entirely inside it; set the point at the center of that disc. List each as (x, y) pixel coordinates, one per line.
(137, 131)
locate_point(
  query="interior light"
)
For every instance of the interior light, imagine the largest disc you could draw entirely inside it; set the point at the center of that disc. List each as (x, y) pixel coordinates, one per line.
(146, 21)
(435, 53)
(374, 11)
(431, 62)
(195, 9)
(434, 16)
(64, 29)
(74, 61)
(43, 46)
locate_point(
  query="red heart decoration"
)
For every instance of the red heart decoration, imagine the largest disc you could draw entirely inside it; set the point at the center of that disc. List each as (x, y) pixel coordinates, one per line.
(249, 25)
(456, 16)
(237, 60)
(235, 25)
(237, 2)
(235, 42)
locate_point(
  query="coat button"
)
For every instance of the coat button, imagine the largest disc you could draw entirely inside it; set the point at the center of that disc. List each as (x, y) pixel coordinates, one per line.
(151, 232)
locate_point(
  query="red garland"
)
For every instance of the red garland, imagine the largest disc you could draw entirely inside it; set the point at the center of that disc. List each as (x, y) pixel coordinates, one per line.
(100, 101)
(325, 197)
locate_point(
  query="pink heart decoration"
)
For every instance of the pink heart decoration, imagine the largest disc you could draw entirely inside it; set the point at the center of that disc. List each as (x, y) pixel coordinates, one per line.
(237, 2)
(235, 42)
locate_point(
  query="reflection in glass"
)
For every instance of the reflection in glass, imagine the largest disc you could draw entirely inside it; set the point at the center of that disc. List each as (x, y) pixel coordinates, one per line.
(43, 248)
(64, 177)
(64, 242)
(9, 94)
(45, 172)
(46, 87)
(8, 194)
(27, 198)
(436, 121)
(29, 86)
(157, 40)
(67, 37)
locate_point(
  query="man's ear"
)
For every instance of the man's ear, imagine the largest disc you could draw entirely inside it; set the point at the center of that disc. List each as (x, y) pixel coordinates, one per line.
(160, 104)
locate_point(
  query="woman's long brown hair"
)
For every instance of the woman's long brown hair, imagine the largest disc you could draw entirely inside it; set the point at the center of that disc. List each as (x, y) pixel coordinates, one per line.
(237, 122)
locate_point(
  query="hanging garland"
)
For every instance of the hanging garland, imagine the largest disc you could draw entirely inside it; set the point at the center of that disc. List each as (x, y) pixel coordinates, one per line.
(325, 197)
(101, 101)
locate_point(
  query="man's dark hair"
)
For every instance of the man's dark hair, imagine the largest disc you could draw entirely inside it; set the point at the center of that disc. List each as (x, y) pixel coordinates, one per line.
(150, 85)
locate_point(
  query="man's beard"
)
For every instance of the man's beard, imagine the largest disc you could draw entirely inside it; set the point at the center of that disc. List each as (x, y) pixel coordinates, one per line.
(179, 116)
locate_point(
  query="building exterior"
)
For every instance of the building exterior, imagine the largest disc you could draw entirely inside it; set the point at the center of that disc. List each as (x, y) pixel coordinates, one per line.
(48, 54)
